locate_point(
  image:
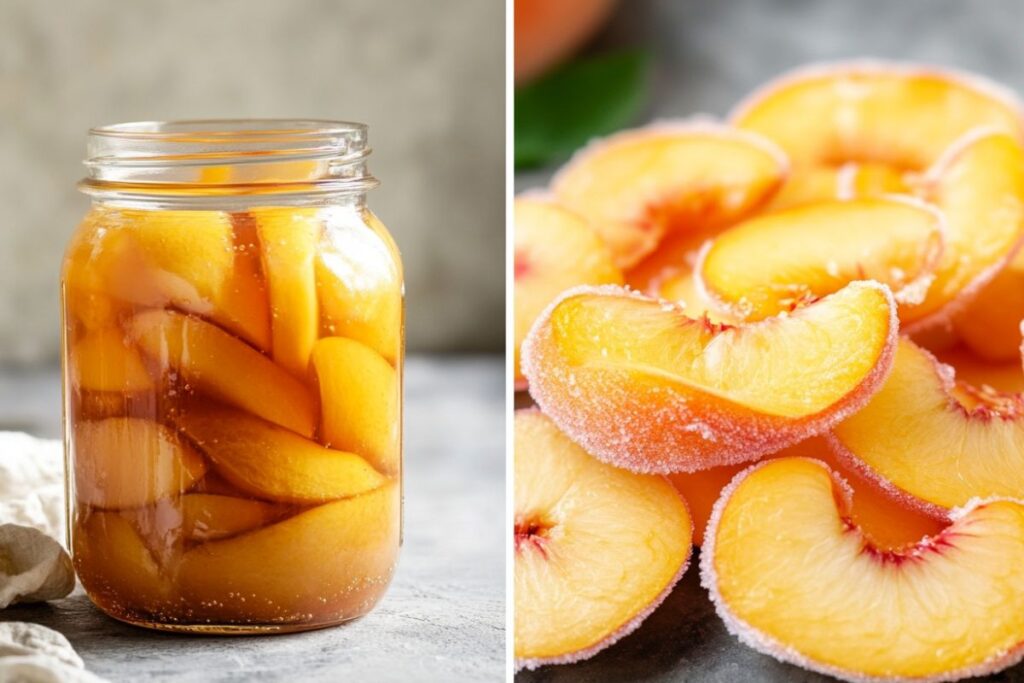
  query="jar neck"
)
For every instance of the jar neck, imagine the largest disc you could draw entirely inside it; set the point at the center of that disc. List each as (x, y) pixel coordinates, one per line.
(228, 162)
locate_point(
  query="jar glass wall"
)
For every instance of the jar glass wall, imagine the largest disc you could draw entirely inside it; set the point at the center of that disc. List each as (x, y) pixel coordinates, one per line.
(233, 343)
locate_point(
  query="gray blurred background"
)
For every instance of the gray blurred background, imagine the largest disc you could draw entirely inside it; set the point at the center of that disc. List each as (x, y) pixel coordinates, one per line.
(428, 78)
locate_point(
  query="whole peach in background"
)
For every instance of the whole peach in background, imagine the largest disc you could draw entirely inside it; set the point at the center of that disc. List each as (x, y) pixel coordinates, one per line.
(548, 32)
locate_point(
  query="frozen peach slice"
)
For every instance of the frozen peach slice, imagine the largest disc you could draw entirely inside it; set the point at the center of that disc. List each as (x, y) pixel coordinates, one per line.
(676, 255)
(125, 462)
(849, 181)
(794, 578)
(990, 323)
(333, 561)
(979, 186)
(270, 462)
(360, 402)
(638, 186)
(700, 490)
(209, 517)
(773, 262)
(555, 249)
(915, 437)
(359, 281)
(186, 259)
(902, 115)
(888, 523)
(683, 289)
(226, 368)
(640, 385)
(596, 548)
(104, 361)
(288, 239)
(116, 568)
(980, 373)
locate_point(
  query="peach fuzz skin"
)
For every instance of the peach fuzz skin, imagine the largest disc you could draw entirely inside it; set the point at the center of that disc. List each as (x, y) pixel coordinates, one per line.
(799, 614)
(645, 418)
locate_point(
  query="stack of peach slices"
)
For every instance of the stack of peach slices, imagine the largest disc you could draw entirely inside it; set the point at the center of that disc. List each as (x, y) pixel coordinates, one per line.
(794, 340)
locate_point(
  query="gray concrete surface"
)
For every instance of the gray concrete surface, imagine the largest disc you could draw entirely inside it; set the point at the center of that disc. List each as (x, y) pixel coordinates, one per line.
(708, 55)
(443, 619)
(428, 77)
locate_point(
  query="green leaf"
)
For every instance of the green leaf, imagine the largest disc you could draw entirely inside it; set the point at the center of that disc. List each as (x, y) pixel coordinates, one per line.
(584, 99)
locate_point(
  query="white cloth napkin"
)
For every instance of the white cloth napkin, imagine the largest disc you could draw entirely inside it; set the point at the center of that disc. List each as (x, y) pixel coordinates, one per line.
(34, 565)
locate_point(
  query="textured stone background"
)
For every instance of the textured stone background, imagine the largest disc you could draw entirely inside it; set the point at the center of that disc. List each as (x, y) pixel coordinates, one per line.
(428, 77)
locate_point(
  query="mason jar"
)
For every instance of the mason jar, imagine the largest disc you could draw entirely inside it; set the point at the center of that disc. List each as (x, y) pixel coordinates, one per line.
(232, 368)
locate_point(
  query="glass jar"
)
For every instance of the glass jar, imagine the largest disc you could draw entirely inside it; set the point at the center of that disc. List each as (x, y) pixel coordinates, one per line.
(232, 362)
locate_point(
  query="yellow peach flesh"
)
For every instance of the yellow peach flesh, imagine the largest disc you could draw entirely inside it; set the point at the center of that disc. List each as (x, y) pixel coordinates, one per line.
(360, 402)
(270, 462)
(773, 262)
(979, 187)
(186, 259)
(888, 523)
(915, 435)
(555, 249)
(637, 382)
(636, 187)
(116, 568)
(359, 283)
(990, 323)
(894, 114)
(683, 289)
(597, 548)
(849, 181)
(124, 462)
(209, 517)
(288, 239)
(333, 561)
(225, 367)
(103, 361)
(793, 578)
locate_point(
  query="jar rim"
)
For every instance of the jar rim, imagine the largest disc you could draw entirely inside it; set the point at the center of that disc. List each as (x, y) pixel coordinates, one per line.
(218, 129)
(229, 156)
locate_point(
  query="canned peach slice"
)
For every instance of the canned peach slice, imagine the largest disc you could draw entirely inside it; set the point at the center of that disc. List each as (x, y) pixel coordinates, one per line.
(209, 517)
(188, 259)
(115, 565)
(336, 558)
(359, 397)
(92, 310)
(125, 462)
(225, 367)
(103, 361)
(267, 461)
(88, 404)
(288, 242)
(359, 286)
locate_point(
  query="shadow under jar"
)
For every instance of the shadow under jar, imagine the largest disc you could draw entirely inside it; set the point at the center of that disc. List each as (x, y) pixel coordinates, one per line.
(232, 351)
